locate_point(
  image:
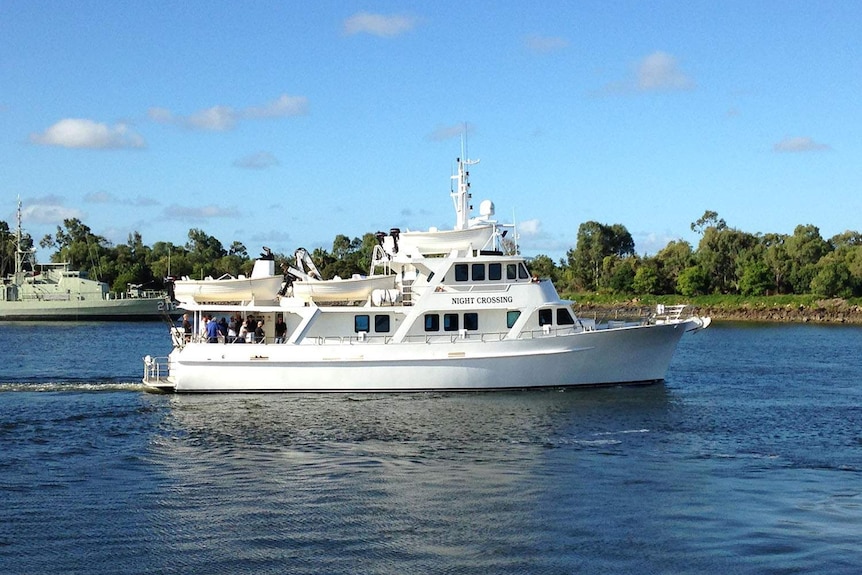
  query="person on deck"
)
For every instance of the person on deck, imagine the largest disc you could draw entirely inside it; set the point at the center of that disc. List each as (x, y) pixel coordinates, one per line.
(212, 330)
(187, 327)
(280, 330)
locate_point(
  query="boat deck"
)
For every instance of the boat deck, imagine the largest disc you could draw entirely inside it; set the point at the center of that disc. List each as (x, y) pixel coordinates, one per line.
(156, 375)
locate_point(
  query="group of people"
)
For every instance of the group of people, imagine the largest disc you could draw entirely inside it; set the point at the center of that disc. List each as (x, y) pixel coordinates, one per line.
(250, 330)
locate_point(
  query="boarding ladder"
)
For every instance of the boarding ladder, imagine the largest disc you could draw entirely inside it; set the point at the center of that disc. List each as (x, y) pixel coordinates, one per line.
(407, 292)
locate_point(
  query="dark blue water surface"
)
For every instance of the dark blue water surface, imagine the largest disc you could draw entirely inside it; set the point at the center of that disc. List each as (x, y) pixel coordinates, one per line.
(748, 459)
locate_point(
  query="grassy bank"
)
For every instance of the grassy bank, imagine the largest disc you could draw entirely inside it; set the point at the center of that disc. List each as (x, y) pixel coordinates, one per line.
(779, 308)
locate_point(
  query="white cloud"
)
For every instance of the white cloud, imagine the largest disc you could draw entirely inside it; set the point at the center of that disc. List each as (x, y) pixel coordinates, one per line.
(102, 197)
(650, 243)
(530, 228)
(657, 72)
(257, 161)
(545, 44)
(215, 119)
(799, 144)
(83, 133)
(48, 210)
(160, 115)
(379, 24)
(284, 105)
(225, 118)
(448, 132)
(177, 212)
(660, 71)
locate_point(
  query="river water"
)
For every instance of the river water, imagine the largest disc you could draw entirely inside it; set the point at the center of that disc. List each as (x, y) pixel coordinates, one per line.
(748, 459)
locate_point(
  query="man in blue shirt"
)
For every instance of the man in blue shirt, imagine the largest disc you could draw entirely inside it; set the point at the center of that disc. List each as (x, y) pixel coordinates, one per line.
(212, 330)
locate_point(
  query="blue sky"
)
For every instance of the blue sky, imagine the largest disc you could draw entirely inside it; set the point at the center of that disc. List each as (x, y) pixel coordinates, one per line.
(286, 123)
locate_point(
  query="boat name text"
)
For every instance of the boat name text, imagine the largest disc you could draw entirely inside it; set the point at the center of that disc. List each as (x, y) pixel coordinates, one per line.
(482, 300)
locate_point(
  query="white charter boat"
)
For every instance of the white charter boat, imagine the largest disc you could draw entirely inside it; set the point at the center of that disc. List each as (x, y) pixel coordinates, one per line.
(460, 317)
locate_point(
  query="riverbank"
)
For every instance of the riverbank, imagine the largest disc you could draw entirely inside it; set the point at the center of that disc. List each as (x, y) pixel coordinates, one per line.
(829, 311)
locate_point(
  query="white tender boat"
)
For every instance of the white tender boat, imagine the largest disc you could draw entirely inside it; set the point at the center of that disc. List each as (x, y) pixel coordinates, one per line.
(358, 288)
(472, 319)
(305, 283)
(262, 286)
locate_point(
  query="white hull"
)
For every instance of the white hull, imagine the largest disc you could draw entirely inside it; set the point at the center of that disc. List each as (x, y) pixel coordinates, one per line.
(352, 289)
(601, 357)
(227, 290)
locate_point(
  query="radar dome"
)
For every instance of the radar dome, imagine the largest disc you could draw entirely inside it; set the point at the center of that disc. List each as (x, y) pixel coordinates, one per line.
(486, 208)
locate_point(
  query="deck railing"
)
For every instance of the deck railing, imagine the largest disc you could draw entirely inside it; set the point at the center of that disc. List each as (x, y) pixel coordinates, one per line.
(155, 370)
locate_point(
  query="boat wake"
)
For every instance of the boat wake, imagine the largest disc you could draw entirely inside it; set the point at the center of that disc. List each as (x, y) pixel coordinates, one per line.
(74, 386)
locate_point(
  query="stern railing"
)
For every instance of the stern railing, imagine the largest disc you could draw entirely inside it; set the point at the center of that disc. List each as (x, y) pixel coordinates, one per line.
(156, 370)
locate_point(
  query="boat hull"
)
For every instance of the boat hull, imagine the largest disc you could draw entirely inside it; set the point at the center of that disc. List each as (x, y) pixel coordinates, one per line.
(602, 357)
(130, 309)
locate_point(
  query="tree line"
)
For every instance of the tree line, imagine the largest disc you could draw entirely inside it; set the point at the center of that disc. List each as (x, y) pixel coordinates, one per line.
(725, 261)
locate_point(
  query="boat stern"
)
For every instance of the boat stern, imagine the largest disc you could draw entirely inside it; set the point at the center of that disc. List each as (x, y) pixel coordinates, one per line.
(157, 376)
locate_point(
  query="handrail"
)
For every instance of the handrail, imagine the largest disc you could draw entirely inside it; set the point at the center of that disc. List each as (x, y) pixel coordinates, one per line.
(427, 338)
(156, 369)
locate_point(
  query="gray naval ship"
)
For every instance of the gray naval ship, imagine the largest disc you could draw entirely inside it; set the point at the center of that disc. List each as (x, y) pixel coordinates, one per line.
(53, 292)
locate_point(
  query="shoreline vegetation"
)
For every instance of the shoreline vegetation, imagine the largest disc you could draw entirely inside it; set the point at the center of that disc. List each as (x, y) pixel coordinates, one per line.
(750, 277)
(763, 309)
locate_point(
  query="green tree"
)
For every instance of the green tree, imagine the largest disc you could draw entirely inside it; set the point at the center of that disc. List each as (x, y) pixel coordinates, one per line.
(618, 273)
(168, 260)
(853, 259)
(675, 257)
(203, 252)
(776, 260)
(77, 244)
(7, 250)
(543, 267)
(717, 255)
(709, 219)
(804, 249)
(692, 281)
(832, 278)
(647, 280)
(756, 279)
(595, 242)
(238, 249)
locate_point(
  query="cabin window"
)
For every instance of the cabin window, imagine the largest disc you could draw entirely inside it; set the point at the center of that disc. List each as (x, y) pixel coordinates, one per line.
(450, 322)
(361, 323)
(461, 272)
(495, 271)
(432, 322)
(511, 317)
(546, 317)
(381, 323)
(478, 272)
(564, 317)
(511, 271)
(522, 272)
(471, 321)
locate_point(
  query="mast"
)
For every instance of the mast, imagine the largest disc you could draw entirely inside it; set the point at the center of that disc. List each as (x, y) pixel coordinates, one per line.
(461, 196)
(22, 255)
(19, 254)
